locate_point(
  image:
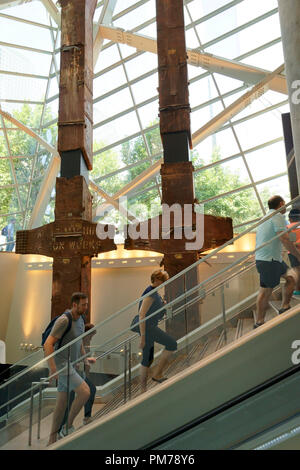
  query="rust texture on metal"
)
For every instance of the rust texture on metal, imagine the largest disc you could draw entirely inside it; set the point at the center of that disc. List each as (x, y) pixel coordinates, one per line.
(71, 240)
(73, 198)
(217, 230)
(69, 275)
(177, 183)
(174, 107)
(177, 174)
(75, 117)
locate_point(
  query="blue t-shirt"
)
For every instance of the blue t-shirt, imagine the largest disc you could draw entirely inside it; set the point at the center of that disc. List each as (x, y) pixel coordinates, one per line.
(265, 232)
(156, 305)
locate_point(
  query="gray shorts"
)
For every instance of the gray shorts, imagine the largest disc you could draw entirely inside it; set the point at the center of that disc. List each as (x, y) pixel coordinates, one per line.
(75, 380)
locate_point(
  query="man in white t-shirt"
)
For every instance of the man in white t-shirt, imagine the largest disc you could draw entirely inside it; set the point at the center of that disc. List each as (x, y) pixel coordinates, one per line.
(269, 263)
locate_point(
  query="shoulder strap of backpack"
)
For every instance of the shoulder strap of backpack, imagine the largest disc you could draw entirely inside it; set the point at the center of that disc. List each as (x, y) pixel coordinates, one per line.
(69, 316)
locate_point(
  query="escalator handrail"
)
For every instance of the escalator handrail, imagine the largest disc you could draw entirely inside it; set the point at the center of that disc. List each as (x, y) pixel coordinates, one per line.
(174, 301)
(224, 407)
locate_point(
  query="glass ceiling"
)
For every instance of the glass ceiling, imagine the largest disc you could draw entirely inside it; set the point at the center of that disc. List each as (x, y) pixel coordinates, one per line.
(238, 165)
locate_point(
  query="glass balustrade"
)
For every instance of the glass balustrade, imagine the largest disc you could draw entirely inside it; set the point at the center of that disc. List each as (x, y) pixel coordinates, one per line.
(203, 317)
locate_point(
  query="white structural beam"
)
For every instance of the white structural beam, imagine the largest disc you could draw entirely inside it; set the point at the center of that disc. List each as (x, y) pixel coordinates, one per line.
(30, 132)
(105, 18)
(110, 202)
(134, 184)
(52, 10)
(48, 4)
(11, 3)
(211, 127)
(239, 105)
(230, 68)
(45, 191)
(49, 178)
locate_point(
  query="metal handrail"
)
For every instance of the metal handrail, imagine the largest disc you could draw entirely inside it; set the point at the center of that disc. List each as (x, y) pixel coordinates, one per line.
(171, 304)
(127, 361)
(178, 299)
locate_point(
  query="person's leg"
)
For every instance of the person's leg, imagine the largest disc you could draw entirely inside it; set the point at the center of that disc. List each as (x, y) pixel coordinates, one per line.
(143, 378)
(163, 361)
(262, 302)
(60, 407)
(82, 396)
(147, 359)
(297, 272)
(288, 289)
(170, 344)
(89, 404)
(71, 399)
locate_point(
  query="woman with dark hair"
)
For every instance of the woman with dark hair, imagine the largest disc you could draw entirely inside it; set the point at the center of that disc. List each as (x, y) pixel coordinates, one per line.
(150, 333)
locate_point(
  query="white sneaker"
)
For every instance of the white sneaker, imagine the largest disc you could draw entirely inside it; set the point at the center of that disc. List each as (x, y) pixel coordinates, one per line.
(63, 431)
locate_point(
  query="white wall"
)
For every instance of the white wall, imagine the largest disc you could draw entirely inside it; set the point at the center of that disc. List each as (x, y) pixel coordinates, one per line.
(30, 309)
(28, 298)
(8, 270)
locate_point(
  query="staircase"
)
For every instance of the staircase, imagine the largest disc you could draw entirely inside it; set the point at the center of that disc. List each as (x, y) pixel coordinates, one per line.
(188, 354)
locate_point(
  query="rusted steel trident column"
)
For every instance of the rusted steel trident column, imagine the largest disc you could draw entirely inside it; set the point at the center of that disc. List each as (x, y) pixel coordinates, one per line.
(177, 170)
(71, 240)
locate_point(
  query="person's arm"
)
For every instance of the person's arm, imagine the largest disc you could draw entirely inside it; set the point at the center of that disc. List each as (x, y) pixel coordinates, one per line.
(87, 360)
(289, 245)
(49, 349)
(146, 304)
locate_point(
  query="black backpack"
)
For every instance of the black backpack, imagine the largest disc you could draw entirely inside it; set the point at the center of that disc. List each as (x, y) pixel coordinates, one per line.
(49, 327)
(4, 231)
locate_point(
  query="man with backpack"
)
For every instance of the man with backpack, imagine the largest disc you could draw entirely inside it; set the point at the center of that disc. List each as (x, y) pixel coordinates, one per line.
(66, 328)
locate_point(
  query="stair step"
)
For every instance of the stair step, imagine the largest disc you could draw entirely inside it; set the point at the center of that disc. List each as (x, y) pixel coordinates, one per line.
(212, 346)
(270, 314)
(230, 336)
(247, 325)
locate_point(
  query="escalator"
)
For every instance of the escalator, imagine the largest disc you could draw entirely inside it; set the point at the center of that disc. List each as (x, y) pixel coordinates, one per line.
(222, 359)
(261, 418)
(199, 390)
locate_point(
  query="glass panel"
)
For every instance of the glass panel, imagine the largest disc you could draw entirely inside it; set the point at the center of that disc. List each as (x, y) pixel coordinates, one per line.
(147, 113)
(121, 127)
(137, 16)
(108, 81)
(108, 56)
(268, 58)
(6, 178)
(41, 163)
(248, 39)
(112, 105)
(31, 12)
(241, 206)
(145, 89)
(23, 61)
(23, 169)
(268, 161)
(225, 177)
(276, 186)
(34, 191)
(254, 131)
(200, 318)
(141, 65)
(24, 34)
